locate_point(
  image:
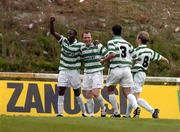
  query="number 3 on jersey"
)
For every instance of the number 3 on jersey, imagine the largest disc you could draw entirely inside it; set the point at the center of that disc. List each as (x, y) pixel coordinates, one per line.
(123, 51)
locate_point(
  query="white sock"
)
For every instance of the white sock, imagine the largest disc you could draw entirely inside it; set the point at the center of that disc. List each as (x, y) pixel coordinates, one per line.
(100, 100)
(60, 104)
(143, 103)
(132, 100)
(128, 110)
(81, 104)
(113, 101)
(90, 106)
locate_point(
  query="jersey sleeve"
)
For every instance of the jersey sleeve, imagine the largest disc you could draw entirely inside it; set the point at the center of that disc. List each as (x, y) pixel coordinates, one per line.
(133, 53)
(111, 47)
(155, 56)
(102, 50)
(61, 39)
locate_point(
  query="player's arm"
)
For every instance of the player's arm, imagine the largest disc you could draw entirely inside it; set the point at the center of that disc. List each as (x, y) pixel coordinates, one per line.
(164, 59)
(158, 57)
(110, 56)
(52, 31)
(102, 50)
(111, 53)
(133, 53)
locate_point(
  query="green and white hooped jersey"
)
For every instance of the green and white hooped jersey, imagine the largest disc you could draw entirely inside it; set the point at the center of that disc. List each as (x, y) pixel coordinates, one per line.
(144, 56)
(70, 54)
(91, 57)
(124, 52)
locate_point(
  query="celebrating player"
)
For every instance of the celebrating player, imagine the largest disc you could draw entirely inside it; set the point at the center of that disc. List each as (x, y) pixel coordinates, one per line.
(92, 52)
(120, 56)
(69, 69)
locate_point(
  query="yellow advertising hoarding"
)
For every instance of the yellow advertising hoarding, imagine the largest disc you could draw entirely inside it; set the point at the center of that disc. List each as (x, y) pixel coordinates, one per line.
(39, 98)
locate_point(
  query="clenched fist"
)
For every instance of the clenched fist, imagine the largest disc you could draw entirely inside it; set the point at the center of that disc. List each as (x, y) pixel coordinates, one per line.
(52, 19)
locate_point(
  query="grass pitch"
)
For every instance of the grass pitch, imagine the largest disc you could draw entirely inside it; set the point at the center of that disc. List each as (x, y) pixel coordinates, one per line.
(80, 124)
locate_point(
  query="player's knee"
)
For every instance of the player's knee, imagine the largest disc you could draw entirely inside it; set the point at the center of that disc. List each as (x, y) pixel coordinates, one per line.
(126, 91)
(89, 96)
(95, 93)
(84, 94)
(62, 91)
(111, 89)
(77, 92)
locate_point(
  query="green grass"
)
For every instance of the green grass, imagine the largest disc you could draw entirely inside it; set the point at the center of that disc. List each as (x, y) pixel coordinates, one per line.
(53, 124)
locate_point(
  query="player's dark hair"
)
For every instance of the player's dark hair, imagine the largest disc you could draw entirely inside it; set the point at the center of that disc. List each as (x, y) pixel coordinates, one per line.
(75, 32)
(117, 29)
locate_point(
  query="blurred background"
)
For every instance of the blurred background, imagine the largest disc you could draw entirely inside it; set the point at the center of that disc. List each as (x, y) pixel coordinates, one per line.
(27, 46)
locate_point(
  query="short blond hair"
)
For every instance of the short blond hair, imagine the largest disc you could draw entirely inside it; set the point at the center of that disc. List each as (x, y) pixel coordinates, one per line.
(143, 36)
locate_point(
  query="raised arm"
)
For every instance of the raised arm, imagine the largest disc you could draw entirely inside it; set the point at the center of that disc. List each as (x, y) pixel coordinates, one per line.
(52, 31)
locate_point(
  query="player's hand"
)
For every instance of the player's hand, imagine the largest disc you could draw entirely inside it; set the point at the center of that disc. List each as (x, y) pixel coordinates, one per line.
(102, 61)
(167, 61)
(96, 42)
(52, 19)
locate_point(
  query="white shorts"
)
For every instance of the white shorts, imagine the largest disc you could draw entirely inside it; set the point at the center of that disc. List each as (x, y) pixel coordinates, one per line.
(120, 75)
(139, 79)
(92, 80)
(69, 78)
